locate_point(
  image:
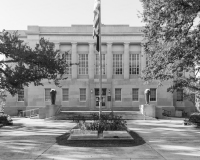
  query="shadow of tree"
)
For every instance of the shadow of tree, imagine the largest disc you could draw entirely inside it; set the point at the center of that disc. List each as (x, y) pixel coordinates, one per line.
(137, 140)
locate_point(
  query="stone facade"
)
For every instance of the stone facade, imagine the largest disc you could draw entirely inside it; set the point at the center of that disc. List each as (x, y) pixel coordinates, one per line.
(121, 45)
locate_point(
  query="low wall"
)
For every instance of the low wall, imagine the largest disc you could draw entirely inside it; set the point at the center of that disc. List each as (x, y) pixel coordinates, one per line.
(148, 110)
(48, 111)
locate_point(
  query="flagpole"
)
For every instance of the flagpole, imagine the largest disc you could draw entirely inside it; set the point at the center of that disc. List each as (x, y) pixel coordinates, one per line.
(100, 65)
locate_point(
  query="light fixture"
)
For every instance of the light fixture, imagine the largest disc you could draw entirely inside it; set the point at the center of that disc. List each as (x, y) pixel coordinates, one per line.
(91, 91)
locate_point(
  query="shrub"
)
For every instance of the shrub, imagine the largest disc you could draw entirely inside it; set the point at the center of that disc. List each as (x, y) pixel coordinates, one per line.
(195, 118)
(5, 119)
(107, 122)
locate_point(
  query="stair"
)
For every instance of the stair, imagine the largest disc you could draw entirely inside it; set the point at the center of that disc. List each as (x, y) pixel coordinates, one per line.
(126, 115)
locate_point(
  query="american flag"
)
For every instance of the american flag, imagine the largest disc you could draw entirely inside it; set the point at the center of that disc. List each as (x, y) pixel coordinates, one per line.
(96, 24)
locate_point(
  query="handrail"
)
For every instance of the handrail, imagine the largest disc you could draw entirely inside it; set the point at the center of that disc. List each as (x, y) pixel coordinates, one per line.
(30, 112)
(58, 110)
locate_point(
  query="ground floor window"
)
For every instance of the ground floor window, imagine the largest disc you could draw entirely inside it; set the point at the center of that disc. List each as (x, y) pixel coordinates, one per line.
(135, 96)
(179, 95)
(65, 94)
(47, 94)
(82, 94)
(153, 94)
(118, 96)
(20, 95)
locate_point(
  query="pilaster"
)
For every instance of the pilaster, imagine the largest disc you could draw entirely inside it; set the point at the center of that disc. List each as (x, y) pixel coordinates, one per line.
(126, 60)
(91, 60)
(74, 60)
(109, 61)
(143, 59)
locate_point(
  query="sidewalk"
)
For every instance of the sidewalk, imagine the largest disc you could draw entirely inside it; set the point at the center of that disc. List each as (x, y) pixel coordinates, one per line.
(34, 139)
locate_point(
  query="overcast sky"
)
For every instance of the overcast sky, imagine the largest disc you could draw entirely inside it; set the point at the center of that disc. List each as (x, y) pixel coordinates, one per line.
(18, 14)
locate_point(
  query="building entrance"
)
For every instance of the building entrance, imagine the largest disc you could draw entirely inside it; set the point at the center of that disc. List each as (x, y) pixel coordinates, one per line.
(103, 97)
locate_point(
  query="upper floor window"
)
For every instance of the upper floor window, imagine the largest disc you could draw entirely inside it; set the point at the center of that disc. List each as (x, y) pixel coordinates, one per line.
(68, 61)
(47, 94)
(179, 94)
(135, 95)
(20, 97)
(117, 64)
(153, 94)
(83, 64)
(134, 65)
(103, 64)
(65, 94)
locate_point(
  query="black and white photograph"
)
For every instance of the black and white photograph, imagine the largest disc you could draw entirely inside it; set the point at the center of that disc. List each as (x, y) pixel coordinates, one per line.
(100, 80)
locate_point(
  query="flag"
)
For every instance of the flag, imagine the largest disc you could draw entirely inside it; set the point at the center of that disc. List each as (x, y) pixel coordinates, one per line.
(96, 22)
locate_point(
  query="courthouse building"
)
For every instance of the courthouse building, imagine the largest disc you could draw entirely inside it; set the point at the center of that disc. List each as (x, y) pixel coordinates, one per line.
(123, 60)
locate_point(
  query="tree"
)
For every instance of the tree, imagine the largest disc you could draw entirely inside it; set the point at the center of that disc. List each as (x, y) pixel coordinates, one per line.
(24, 65)
(172, 42)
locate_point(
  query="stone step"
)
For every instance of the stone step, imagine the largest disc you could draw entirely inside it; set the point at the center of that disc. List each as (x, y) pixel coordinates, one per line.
(70, 115)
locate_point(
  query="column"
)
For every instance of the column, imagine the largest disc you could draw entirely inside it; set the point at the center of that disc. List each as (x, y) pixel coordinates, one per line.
(74, 60)
(91, 60)
(126, 60)
(109, 60)
(142, 60)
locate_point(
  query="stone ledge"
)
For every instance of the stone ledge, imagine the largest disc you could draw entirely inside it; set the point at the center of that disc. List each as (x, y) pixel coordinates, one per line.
(77, 134)
(116, 134)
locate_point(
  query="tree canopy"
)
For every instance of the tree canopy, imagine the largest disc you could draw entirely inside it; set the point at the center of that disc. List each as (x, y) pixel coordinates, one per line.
(172, 42)
(24, 65)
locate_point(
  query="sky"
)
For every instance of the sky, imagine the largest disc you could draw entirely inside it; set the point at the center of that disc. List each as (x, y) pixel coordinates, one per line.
(18, 14)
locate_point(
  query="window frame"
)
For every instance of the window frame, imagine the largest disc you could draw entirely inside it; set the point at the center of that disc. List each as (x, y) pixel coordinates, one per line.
(137, 94)
(68, 60)
(103, 64)
(46, 95)
(18, 95)
(155, 95)
(65, 95)
(84, 62)
(181, 95)
(82, 95)
(133, 61)
(120, 62)
(118, 95)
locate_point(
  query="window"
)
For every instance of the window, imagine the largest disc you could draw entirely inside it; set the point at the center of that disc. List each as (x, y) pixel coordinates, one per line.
(65, 94)
(135, 96)
(103, 64)
(153, 94)
(179, 95)
(134, 64)
(83, 64)
(21, 95)
(47, 94)
(180, 72)
(82, 94)
(118, 94)
(68, 61)
(117, 64)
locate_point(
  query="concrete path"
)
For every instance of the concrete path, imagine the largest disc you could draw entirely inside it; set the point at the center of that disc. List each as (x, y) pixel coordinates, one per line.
(33, 139)
(170, 139)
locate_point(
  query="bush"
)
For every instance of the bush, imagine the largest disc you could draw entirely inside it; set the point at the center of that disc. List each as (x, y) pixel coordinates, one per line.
(195, 118)
(5, 119)
(107, 122)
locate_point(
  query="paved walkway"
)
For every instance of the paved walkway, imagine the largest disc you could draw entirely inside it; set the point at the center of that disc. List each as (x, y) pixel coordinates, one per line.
(33, 139)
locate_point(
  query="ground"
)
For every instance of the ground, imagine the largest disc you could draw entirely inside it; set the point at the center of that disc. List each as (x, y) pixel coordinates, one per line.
(30, 139)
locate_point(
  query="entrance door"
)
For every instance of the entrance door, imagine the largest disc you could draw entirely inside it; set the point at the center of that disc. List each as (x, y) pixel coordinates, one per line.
(103, 97)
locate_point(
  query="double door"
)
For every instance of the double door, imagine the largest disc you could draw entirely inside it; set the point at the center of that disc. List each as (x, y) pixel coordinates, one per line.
(103, 97)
